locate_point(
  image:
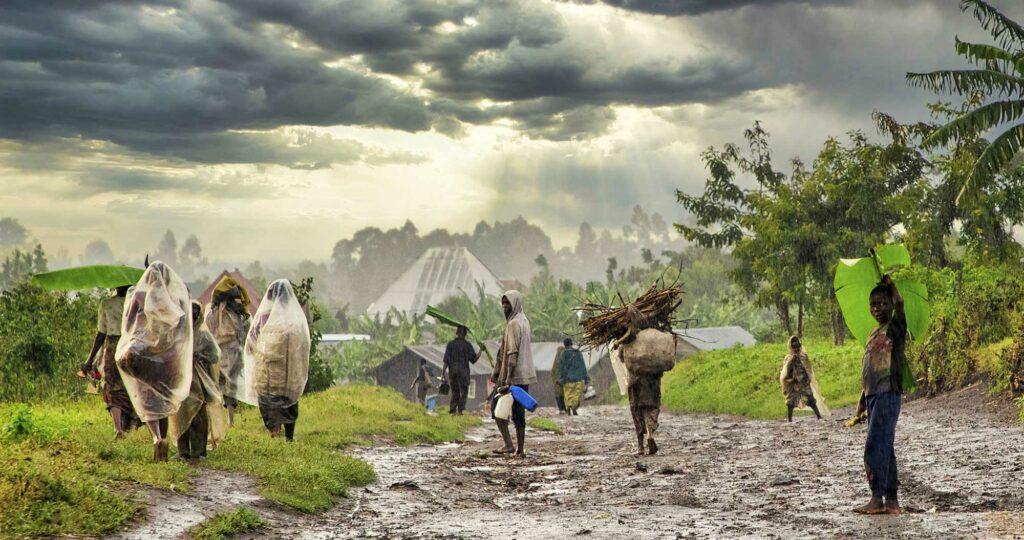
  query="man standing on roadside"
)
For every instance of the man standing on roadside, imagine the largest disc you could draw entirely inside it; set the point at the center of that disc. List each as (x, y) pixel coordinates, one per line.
(514, 367)
(458, 355)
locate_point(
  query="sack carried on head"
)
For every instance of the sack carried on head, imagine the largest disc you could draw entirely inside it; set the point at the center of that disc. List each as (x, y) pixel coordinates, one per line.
(652, 352)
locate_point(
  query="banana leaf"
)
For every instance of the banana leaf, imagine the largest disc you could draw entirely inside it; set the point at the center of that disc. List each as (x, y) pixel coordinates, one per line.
(854, 280)
(88, 277)
(444, 318)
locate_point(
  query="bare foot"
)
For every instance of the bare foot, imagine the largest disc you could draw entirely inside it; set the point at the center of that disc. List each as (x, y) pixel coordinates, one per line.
(519, 455)
(640, 453)
(118, 435)
(874, 507)
(503, 451)
(893, 508)
(652, 447)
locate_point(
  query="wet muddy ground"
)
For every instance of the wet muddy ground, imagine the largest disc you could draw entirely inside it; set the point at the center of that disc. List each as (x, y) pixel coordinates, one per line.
(961, 465)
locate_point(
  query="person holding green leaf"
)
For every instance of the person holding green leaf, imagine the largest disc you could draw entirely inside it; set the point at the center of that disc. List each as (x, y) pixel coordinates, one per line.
(108, 333)
(882, 382)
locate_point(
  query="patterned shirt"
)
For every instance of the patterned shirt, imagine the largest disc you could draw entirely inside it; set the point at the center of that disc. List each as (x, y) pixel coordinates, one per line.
(108, 318)
(882, 365)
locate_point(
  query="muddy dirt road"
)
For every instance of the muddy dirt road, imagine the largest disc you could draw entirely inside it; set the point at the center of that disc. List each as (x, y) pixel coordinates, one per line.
(961, 465)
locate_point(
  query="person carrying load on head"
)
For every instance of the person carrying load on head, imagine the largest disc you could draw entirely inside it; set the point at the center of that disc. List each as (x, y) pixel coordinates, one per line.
(227, 316)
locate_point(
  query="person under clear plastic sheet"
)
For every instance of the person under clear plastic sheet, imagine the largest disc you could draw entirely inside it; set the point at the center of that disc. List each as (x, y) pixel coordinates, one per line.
(154, 354)
(277, 359)
(228, 318)
(192, 425)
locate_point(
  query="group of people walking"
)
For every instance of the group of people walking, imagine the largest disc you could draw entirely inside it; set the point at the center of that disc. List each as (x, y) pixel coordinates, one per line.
(166, 362)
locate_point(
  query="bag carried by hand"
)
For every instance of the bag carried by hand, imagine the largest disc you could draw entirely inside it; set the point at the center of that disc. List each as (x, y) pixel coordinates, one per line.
(445, 388)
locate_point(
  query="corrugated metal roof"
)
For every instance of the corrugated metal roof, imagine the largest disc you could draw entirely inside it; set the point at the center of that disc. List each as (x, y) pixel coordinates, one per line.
(440, 273)
(717, 337)
(543, 356)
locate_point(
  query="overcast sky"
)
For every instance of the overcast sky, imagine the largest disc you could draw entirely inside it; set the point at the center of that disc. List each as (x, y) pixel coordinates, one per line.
(271, 129)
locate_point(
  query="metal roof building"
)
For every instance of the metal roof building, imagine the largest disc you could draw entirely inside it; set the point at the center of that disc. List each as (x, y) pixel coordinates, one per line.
(440, 273)
(694, 340)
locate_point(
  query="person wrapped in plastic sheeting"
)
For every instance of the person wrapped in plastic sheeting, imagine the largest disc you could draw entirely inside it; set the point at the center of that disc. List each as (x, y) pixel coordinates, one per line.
(228, 319)
(277, 359)
(798, 382)
(154, 355)
(196, 424)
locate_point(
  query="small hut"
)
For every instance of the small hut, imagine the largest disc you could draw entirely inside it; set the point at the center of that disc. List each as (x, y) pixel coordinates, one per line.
(695, 340)
(255, 296)
(400, 370)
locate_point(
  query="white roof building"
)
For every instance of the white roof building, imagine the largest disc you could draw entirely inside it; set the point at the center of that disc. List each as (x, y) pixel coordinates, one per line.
(440, 273)
(692, 340)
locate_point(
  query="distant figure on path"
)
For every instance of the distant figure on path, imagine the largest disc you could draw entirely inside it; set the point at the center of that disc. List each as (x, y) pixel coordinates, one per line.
(573, 377)
(559, 391)
(108, 333)
(458, 355)
(422, 383)
(514, 367)
(882, 383)
(797, 380)
(277, 359)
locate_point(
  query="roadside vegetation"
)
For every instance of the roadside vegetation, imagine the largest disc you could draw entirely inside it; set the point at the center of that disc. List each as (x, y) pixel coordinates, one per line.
(62, 473)
(227, 524)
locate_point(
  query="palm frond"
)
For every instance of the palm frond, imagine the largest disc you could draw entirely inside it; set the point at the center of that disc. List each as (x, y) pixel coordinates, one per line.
(989, 56)
(1005, 31)
(991, 162)
(965, 81)
(975, 122)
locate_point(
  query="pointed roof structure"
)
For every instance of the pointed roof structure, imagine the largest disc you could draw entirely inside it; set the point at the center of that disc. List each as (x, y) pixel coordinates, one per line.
(440, 273)
(254, 295)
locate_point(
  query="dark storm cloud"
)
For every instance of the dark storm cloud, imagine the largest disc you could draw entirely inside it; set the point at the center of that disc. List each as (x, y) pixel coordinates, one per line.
(97, 180)
(696, 7)
(149, 76)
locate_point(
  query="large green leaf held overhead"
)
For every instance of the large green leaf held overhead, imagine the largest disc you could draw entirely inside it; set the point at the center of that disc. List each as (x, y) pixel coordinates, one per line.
(444, 318)
(88, 277)
(855, 278)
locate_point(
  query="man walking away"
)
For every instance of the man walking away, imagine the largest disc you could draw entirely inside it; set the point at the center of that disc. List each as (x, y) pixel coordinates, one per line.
(573, 376)
(458, 355)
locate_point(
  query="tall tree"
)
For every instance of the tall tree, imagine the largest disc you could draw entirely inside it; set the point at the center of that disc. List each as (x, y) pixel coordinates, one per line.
(97, 252)
(999, 74)
(12, 233)
(167, 250)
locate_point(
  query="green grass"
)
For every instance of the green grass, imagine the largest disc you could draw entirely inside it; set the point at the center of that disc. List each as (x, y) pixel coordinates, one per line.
(545, 424)
(745, 381)
(61, 472)
(227, 524)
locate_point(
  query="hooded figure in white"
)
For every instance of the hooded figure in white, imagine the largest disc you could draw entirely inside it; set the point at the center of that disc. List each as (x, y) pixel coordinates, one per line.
(514, 367)
(154, 355)
(276, 358)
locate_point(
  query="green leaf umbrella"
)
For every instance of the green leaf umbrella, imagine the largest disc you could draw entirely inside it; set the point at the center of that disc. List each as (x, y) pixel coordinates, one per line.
(88, 277)
(855, 278)
(444, 318)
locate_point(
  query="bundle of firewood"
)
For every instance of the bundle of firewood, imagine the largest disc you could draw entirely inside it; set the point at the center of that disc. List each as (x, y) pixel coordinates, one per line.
(602, 325)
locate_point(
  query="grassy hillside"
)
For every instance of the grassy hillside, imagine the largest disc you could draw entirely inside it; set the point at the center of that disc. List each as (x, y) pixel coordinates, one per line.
(745, 381)
(61, 471)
